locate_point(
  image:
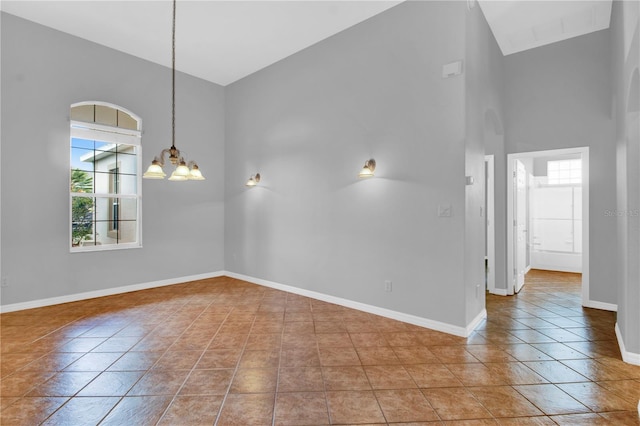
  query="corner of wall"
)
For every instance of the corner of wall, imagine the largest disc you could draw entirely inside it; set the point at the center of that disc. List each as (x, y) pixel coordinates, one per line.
(629, 357)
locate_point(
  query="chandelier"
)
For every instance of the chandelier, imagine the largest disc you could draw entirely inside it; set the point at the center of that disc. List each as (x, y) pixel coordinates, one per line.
(184, 170)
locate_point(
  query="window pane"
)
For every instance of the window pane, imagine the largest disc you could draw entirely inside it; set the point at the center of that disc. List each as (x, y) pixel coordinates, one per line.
(81, 181)
(127, 231)
(81, 143)
(82, 210)
(103, 181)
(115, 183)
(124, 232)
(105, 146)
(116, 220)
(125, 121)
(126, 149)
(128, 208)
(128, 184)
(103, 235)
(564, 172)
(82, 159)
(102, 206)
(127, 163)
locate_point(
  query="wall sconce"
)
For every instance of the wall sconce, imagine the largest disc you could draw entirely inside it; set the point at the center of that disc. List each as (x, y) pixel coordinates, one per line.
(367, 170)
(253, 180)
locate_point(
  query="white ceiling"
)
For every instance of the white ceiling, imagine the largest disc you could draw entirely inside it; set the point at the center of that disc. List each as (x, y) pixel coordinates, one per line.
(223, 41)
(219, 41)
(521, 25)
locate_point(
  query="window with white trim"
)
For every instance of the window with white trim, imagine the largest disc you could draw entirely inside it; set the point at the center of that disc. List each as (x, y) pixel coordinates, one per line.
(105, 184)
(563, 172)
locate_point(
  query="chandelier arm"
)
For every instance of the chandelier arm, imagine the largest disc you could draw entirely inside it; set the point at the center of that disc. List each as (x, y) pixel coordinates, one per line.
(161, 158)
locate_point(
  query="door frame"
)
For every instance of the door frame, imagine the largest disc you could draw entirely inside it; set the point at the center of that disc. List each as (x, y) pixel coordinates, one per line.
(517, 284)
(584, 152)
(490, 224)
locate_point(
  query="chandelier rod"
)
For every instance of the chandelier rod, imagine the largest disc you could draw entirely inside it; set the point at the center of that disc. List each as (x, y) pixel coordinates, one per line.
(173, 79)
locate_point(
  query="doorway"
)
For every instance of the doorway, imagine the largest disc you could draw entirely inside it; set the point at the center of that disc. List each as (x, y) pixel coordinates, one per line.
(521, 189)
(489, 202)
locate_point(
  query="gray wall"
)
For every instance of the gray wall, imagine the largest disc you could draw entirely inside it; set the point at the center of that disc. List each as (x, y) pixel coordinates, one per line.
(625, 50)
(483, 73)
(308, 123)
(43, 72)
(559, 96)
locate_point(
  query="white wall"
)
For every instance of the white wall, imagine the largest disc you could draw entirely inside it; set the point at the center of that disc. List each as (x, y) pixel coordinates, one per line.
(309, 122)
(45, 71)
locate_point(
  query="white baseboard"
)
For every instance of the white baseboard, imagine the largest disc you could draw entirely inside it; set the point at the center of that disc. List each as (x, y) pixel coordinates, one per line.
(387, 313)
(476, 322)
(600, 305)
(499, 291)
(630, 357)
(106, 292)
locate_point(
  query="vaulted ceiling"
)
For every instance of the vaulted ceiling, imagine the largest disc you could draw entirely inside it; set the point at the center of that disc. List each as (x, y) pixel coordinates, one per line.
(520, 25)
(223, 41)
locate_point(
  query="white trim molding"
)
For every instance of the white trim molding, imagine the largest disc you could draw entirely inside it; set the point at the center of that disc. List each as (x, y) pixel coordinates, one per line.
(600, 305)
(106, 292)
(584, 153)
(499, 291)
(629, 357)
(387, 313)
(476, 322)
(490, 223)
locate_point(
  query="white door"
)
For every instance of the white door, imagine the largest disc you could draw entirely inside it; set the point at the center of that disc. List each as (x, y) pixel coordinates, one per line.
(520, 224)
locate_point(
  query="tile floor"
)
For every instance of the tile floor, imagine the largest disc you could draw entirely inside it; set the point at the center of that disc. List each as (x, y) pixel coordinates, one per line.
(227, 352)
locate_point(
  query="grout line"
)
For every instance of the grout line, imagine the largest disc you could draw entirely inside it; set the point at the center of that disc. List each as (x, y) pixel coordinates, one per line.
(193, 367)
(275, 395)
(237, 367)
(101, 372)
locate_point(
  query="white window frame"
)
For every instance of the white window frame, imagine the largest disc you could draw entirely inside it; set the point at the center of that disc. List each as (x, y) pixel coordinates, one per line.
(117, 135)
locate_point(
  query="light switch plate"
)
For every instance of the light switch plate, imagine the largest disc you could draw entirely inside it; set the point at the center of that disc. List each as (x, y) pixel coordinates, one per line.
(452, 69)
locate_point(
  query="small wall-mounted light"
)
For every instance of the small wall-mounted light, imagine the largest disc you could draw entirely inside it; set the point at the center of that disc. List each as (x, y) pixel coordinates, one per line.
(367, 170)
(253, 180)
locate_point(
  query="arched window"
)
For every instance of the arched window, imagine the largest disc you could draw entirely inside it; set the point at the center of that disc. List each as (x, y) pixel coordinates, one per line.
(105, 185)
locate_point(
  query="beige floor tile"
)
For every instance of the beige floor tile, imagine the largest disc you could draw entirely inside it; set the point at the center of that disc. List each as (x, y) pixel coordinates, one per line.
(301, 408)
(351, 407)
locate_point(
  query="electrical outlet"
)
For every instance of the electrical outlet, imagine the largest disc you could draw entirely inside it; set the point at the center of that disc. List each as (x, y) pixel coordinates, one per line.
(388, 286)
(5, 282)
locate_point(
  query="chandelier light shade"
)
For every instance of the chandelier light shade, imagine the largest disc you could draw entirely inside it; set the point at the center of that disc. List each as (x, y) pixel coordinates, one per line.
(367, 170)
(253, 180)
(184, 170)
